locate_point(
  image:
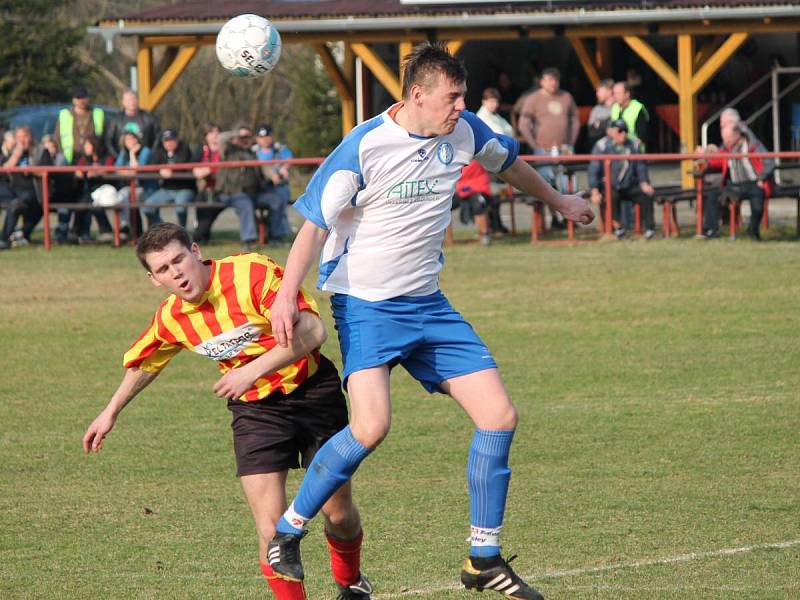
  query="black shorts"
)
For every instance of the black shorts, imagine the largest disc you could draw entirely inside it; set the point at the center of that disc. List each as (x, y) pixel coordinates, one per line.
(285, 431)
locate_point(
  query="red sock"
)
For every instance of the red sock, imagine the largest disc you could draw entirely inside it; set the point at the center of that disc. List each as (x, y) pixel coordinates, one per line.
(345, 558)
(283, 588)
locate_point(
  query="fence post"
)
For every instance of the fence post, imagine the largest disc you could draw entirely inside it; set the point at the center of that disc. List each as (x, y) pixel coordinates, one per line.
(698, 228)
(134, 220)
(607, 193)
(46, 210)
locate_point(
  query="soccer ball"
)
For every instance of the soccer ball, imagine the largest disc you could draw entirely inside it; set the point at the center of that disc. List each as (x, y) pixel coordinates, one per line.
(248, 46)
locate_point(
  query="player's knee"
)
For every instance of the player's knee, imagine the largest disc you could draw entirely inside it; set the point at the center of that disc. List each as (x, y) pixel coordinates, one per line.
(370, 435)
(505, 418)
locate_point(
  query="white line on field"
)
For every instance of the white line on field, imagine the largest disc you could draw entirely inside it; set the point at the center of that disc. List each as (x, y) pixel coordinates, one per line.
(635, 564)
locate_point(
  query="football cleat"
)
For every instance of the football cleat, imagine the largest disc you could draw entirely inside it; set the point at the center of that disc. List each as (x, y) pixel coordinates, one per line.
(360, 590)
(283, 555)
(500, 578)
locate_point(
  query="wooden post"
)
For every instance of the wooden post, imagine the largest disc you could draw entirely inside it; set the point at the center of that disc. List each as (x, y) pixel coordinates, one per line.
(687, 105)
(343, 86)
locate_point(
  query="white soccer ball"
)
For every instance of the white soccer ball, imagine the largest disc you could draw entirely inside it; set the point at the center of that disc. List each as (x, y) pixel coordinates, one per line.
(248, 46)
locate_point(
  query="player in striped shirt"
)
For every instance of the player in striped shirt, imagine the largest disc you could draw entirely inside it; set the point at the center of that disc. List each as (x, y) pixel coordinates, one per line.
(378, 209)
(286, 401)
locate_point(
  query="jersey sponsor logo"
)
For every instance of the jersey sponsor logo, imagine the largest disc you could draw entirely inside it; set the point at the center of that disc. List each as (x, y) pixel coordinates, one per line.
(412, 190)
(422, 156)
(445, 153)
(228, 344)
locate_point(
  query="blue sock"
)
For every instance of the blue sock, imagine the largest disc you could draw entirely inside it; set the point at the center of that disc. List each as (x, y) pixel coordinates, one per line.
(488, 476)
(332, 466)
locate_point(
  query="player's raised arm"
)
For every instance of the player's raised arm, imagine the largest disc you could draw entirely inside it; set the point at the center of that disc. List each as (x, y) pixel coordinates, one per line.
(133, 382)
(525, 178)
(305, 249)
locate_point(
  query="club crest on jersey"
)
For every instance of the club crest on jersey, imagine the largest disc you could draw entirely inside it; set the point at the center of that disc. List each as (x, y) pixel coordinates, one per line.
(445, 153)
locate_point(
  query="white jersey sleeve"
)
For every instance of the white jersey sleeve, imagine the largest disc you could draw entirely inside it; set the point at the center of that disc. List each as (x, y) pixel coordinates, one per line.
(495, 152)
(338, 180)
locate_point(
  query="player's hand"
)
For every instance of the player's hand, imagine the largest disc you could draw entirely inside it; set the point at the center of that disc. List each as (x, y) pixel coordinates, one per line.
(234, 383)
(165, 173)
(97, 431)
(596, 196)
(283, 315)
(647, 188)
(576, 208)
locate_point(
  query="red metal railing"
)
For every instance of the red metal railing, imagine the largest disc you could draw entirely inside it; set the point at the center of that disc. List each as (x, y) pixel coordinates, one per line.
(45, 171)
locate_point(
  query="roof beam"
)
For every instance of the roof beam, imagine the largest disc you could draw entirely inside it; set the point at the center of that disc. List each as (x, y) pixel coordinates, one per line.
(715, 62)
(382, 73)
(653, 58)
(586, 61)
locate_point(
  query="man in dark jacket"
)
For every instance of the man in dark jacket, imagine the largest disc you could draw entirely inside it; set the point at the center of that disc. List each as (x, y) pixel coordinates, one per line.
(236, 187)
(630, 182)
(176, 187)
(22, 186)
(132, 118)
(742, 179)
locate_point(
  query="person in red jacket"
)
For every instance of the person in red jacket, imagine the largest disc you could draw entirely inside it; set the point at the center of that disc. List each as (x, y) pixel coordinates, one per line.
(742, 179)
(473, 196)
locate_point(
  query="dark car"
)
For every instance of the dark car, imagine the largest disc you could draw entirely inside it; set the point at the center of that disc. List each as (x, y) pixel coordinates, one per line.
(42, 118)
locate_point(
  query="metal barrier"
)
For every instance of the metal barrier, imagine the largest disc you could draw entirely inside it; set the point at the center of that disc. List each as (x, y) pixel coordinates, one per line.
(45, 171)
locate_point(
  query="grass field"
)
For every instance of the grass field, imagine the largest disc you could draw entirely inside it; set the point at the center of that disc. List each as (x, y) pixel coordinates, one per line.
(658, 390)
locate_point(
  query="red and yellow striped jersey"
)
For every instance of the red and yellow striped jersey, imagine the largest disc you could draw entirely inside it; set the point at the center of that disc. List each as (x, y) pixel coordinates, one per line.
(229, 324)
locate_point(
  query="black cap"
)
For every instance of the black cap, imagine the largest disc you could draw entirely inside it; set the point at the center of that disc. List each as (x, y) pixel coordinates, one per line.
(80, 92)
(169, 134)
(264, 129)
(619, 124)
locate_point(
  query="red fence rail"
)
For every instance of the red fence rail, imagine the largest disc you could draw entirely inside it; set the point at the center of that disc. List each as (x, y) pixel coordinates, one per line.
(45, 171)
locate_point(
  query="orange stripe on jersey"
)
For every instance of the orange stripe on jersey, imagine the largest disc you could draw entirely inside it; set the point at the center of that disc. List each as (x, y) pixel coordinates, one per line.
(184, 323)
(163, 331)
(145, 332)
(209, 314)
(226, 272)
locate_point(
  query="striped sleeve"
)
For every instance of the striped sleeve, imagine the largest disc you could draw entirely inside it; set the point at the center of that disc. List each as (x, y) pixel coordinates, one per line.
(149, 352)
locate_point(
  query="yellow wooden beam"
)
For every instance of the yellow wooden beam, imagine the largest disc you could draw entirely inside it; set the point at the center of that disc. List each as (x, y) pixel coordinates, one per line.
(602, 57)
(403, 49)
(170, 76)
(704, 53)
(653, 58)
(715, 62)
(687, 106)
(349, 73)
(605, 31)
(343, 86)
(382, 73)
(144, 75)
(586, 61)
(336, 75)
(453, 46)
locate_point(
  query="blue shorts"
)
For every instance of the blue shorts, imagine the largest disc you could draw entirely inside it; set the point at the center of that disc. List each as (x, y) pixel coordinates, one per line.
(423, 333)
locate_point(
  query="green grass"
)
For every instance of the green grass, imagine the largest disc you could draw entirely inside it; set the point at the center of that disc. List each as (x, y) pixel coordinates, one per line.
(657, 387)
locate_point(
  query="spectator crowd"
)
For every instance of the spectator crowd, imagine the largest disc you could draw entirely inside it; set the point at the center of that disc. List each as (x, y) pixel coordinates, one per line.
(545, 120)
(86, 137)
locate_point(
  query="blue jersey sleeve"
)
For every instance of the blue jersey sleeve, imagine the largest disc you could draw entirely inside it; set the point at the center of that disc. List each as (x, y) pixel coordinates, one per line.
(337, 181)
(495, 152)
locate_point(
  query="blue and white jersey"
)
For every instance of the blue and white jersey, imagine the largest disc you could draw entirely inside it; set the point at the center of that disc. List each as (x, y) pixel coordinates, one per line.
(386, 195)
